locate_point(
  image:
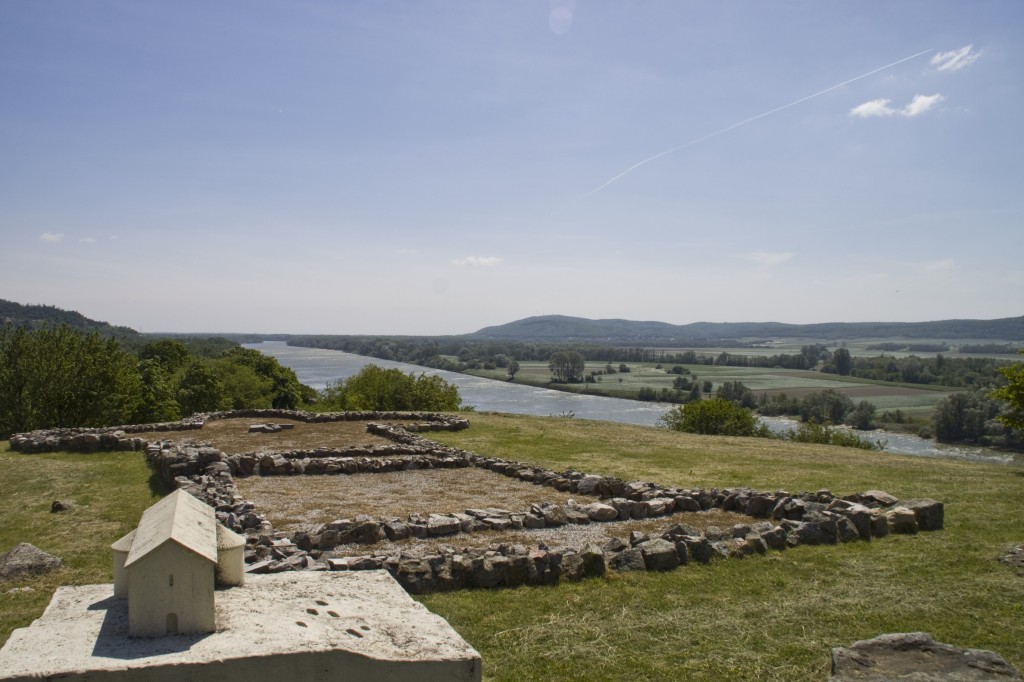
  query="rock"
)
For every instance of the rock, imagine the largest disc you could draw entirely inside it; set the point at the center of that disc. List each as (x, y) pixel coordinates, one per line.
(916, 656)
(902, 520)
(1014, 557)
(659, 555)
(879, 497)
(588, 484)
(629, 560)
(929, 513)
(600, 512)
(439, 524)
(25, 559)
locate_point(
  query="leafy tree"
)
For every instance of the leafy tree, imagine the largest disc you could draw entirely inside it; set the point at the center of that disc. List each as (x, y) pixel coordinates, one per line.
(827, 407)
(61, 377)
(513, 369)
(172, 355)
(199, 389)
(1013, 394)
(376, 388)
(713, 417)
(242, 387)
(862, 417)
(842, 362)
(966, 416)
(286, 391)
(567, 366)
(737, 392)
(157, 402)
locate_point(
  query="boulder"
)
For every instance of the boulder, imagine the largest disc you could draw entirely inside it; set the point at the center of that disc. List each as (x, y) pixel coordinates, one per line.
(916, 656)
(1014, 556)
(929, 513)
(902, 520)
(26, 559)
(659, 555)
(600, 512)
(878, 497)
(588, 484)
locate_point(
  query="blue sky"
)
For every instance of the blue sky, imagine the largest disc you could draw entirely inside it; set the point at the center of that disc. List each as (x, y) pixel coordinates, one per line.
(439, 166)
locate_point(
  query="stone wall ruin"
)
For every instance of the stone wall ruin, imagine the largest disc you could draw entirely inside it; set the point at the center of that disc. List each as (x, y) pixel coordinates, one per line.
(780, 519)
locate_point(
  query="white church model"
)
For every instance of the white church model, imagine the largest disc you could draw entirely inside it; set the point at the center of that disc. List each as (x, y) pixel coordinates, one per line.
(169, 565)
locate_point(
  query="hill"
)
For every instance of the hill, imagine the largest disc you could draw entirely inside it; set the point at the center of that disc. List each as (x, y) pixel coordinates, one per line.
(564, 328)
(36, 316)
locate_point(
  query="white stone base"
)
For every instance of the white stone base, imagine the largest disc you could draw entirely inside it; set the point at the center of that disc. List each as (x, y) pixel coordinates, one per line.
(290, 626)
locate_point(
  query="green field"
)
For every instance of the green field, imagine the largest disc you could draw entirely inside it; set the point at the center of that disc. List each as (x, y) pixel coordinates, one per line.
(763, 618)
(914, 399)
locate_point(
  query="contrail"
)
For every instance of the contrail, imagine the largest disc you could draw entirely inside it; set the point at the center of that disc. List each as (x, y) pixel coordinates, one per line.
(734, 126)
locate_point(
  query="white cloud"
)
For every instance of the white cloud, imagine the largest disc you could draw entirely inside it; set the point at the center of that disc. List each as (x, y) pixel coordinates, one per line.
(88, 240)
(876, 107)
(51, 237)
(880, 107)
(476, 261)
(767, 259)
(954, 60)
(920, 104)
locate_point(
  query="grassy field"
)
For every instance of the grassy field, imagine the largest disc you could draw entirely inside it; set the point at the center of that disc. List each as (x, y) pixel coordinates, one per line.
(762, 618)
(914, 399)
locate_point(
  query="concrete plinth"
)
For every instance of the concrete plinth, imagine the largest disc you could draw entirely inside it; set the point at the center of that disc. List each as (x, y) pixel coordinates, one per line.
(290, 626)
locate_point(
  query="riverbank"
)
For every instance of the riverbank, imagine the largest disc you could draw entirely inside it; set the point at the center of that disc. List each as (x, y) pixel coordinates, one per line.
(317, 367)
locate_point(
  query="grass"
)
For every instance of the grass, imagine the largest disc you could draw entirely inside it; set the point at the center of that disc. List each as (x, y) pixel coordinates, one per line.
(767, 618)
(762, 618)
(794, 383)
(108, 492)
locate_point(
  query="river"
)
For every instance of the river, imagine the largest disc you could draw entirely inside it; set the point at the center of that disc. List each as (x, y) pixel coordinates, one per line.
(316, 367)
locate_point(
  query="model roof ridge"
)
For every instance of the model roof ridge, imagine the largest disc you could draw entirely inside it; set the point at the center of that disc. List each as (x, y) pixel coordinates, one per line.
(180, 518)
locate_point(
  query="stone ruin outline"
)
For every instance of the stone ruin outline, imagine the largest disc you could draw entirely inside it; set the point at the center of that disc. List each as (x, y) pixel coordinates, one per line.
(783, 519)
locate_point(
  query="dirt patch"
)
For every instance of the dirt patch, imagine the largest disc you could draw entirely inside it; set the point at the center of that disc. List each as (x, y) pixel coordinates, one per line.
(232, 436)
(301, 502)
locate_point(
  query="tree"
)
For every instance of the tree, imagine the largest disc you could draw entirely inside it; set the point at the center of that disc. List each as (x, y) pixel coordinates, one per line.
(966, 416)
(842, 361)
(64, 377)
(157, 403)
(713, 417)
(199, 390)
(567, 366)
(863, 416)
(376, 388)
(513, 369)
(1013, 394)
(736, 392)
(286, 391)
(826, 407)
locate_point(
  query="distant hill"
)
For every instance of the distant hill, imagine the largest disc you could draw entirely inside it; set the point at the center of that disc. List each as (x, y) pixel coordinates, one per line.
(562, 328)
(36, 316)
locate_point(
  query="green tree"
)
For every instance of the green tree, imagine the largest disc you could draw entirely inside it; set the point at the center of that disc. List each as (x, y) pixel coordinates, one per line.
(199, 390)
(376, 388)
(286, 391)
(713, 417)
(862, 417)
(241, 386)
(172, 355)
(736, 392)
(827, 407)
(513, 369)
(842, 362)
(567, 366)
(1013, 394)
(157, 402)
(63, 377)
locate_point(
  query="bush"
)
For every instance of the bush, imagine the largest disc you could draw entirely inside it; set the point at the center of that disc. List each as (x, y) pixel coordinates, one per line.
(714, 417)
(376, 388)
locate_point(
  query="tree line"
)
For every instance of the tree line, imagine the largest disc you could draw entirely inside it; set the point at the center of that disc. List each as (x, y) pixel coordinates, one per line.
(60, 376)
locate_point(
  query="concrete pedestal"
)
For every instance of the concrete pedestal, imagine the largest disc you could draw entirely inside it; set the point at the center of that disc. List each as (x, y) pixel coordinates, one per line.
(289, 626)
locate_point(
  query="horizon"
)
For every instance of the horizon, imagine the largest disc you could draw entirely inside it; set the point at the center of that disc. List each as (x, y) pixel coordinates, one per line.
(439, 167)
